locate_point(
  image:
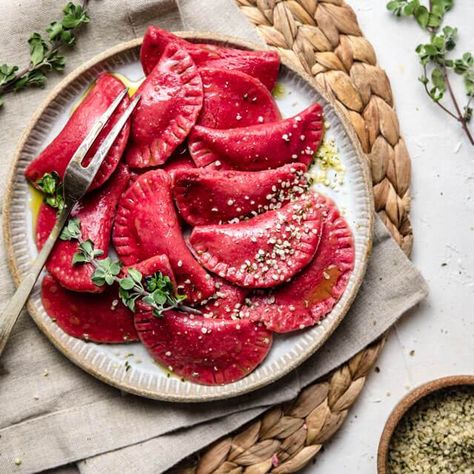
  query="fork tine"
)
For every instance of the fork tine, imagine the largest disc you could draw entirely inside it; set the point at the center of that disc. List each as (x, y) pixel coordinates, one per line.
(109, 140)
(86, 144)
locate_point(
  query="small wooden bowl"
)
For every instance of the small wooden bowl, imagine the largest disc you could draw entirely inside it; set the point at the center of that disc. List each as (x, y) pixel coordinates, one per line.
(405, 404)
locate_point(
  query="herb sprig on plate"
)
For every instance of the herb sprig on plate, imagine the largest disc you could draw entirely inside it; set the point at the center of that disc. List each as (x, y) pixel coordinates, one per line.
(438, 66)
(51, 187)
(156, 291)
(45, 52)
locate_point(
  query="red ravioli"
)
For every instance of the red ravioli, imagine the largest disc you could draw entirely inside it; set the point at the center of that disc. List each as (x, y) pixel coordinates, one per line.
(235, 99)
(226, 301)
(171, 99)
(312, 294)
(56, 156)
(205, 196)
(263, 65)
(99, 318)
(96, 213)
(146, 225)
(202, 350)
(263, 251)
(260, 147)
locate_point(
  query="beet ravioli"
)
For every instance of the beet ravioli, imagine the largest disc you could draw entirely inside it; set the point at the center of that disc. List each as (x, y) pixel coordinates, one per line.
(262, 65)
(99, 318)
(264, 251)
(220, 240)
(225, 302)
(171, 99)
(235, 99)
(260, 147)
(203, 350)
(56, 156)
(214, 197)
(311, 295)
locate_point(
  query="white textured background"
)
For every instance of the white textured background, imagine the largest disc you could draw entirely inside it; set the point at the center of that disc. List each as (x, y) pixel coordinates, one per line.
(441, 330)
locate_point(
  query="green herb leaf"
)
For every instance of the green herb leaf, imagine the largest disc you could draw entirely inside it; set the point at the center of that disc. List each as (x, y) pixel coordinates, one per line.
(127, 299)
(127, 283)
(115, 267)
(439, 84)
(135, 275)
(78, 258)
(160, 297)
(72, 230)
(7, 73)
(68, 38)
(106, 269)
(54, 30)
(158, 281)
(56, 62)
(35, 78)
(109, 279)
(50, 185)
(74, 16)
(469, 83)
(149, 300)
(450, 37)
(410, 8)
(468, 113)
(98, 280)
(462, 65)
(422, 16)
(44, 53)
(87, 246)
(400, 7)
(38, 49)
(440, 7)
(423, 79)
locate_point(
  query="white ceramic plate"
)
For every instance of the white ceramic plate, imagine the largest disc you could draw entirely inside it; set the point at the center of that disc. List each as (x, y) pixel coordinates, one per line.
(144, 377)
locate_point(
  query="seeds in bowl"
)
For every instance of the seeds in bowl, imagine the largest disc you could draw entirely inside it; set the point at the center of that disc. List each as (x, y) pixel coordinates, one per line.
(436, 435)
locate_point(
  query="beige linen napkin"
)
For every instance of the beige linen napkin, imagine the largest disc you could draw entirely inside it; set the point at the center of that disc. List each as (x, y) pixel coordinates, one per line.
(52, 413)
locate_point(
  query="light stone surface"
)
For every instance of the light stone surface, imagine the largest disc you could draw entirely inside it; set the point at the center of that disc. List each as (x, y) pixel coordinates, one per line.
(441, 330)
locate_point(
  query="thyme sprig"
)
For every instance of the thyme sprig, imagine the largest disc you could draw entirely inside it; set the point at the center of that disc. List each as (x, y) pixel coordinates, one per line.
(45, 53)
(435, 59)
(156, 291)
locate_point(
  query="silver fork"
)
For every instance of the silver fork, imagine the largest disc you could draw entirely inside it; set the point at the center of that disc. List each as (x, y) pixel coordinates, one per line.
(77, 179)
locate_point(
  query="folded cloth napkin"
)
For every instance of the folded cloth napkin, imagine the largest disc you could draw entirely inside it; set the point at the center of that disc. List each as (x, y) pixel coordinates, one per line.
(53, 414)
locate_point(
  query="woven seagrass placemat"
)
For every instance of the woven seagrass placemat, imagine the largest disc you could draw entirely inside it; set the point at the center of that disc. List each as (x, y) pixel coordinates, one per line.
(324, 38)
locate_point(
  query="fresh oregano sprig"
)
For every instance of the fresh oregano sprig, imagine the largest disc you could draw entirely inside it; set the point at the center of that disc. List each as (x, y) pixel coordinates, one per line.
(45, 52)
(435, 58)
(155, 291)
(429, 17)
(52, 188)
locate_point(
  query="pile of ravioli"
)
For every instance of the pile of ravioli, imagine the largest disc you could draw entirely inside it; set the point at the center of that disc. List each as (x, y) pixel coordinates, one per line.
(207, 185)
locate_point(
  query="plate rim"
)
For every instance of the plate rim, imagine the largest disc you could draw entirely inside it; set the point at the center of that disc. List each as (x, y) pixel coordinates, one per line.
(88, 367)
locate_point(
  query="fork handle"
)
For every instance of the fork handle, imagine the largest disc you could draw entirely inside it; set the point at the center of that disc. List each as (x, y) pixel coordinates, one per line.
(15, 305)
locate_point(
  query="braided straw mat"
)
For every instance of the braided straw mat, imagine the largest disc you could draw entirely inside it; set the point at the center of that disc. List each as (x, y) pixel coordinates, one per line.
(324, 38)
